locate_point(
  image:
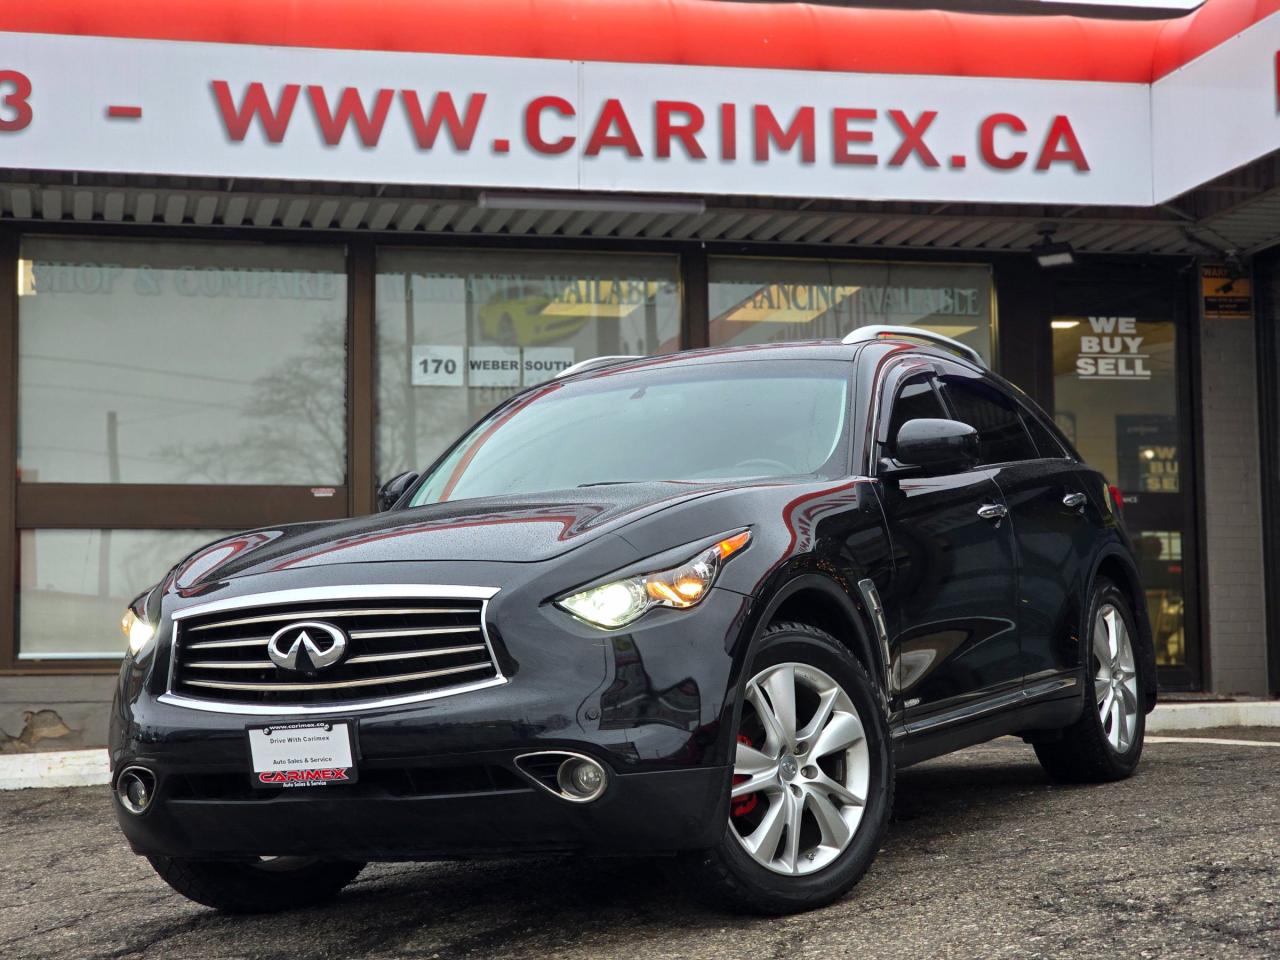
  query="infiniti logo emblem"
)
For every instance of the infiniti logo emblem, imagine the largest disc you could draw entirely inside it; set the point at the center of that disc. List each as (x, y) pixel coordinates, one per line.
(307, 646)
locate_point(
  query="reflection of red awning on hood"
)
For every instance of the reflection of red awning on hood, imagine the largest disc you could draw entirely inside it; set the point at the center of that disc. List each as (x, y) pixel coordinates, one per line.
(701, 32)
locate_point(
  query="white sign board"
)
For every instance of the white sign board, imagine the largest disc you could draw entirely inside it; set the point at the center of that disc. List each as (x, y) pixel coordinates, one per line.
(296, 113)
(493, 367)
(540, 364)
(1112, 350)
(437, 366)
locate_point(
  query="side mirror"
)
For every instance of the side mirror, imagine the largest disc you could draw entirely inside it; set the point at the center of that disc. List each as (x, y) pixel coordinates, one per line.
(936, 446)
(394, 489)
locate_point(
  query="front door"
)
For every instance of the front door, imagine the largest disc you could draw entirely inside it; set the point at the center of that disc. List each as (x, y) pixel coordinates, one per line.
(953, 630)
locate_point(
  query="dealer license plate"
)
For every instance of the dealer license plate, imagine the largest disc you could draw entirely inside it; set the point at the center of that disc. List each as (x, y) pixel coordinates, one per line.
(310, 754)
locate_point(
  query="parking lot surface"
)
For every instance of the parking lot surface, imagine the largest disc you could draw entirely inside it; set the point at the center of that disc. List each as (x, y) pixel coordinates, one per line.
(985, 859)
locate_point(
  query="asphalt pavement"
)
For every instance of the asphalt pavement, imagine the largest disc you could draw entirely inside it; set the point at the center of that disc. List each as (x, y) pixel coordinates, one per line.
(985, 859)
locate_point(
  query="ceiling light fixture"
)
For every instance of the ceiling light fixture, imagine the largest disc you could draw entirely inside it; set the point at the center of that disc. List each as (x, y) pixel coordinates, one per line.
(1051, 253)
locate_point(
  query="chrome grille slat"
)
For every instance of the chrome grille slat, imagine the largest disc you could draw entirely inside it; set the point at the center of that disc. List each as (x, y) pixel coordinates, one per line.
(393, 632)
(414, 654)
(403, 644)
(229, 665)
(354, 612)
(222, 644)
(341, 684)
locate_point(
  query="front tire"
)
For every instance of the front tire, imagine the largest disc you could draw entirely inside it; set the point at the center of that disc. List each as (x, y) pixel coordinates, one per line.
(1105, 744)
(813, 779)
(268, 885)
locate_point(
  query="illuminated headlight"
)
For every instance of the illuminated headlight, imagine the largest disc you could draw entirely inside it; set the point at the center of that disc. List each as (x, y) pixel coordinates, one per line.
(619, 602)
(137, 631)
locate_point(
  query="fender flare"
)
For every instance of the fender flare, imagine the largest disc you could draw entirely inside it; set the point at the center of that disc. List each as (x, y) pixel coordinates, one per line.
(1146, 642)
(850, 604)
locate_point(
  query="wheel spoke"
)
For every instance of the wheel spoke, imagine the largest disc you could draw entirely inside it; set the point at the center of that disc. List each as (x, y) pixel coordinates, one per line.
(828, 787)
(762, 842)
(1100, 648)
(1124, 649)
(780, 685)
(1117, 718)
(842, 732)
(748, 761)
(775, 738)
(1113, 639)
(791, 847)
(1107, 702)
(826, 704)
(1101, 687)
(835, 832)
(1130, 698)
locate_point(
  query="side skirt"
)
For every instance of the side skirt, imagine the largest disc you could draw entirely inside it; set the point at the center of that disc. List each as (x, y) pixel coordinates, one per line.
(1050, 705)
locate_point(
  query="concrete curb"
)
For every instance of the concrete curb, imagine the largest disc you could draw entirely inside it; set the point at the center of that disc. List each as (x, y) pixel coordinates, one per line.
(1170, 717)
(66, 768)
(88, 768)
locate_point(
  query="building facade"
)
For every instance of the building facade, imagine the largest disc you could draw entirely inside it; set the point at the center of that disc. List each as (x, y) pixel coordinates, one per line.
(251, 265)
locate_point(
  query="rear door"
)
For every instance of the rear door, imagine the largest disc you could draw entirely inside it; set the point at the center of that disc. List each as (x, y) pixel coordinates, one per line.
(1052, 520)
(951, 602)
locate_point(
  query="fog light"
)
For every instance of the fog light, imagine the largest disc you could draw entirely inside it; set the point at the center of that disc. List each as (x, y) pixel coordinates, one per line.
(135, 788)
(580, 778)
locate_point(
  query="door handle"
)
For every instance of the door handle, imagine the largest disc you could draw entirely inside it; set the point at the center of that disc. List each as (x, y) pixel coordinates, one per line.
(993, 511)
(1074, 501)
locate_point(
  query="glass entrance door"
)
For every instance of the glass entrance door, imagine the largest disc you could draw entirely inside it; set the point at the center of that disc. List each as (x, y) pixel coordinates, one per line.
(1117, 396)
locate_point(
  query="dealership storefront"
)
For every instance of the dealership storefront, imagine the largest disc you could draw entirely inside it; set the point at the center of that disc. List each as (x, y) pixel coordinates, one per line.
(212, 320)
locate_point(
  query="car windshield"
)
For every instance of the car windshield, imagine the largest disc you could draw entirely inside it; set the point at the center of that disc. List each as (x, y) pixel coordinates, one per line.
(715, 422)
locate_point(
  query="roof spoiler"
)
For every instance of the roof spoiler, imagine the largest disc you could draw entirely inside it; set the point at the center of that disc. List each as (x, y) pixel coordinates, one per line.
(879, 331)
(593, 362)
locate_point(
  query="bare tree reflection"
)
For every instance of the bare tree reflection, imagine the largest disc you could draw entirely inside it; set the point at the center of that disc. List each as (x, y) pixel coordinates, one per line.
(296, 425)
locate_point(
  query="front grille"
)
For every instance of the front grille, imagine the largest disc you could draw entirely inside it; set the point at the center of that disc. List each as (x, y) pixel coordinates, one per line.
(397, 648)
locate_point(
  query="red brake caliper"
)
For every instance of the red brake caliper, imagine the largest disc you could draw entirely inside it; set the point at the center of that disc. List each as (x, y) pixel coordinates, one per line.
(743, 805)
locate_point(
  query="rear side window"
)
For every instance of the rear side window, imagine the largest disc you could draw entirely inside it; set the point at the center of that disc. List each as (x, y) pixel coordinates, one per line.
(1045, 442)
(915, 400)
(1001, 436)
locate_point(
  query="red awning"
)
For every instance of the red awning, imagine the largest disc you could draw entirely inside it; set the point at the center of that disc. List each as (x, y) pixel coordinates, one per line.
(791, 36)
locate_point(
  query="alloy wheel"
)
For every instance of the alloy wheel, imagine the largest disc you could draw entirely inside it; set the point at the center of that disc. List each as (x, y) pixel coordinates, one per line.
(1115, 683)
(802, 770)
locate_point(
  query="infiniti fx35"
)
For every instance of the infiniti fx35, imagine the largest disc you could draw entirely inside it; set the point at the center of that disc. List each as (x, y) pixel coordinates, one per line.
(701, 605)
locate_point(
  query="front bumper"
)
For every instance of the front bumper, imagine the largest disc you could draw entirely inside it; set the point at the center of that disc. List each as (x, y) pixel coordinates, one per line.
(439, 778)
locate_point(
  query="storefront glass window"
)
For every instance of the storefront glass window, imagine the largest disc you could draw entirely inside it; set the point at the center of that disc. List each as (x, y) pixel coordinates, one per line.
(761, 301)
(181, 363)
(74, 585)
(459, 332)
(1116, 398)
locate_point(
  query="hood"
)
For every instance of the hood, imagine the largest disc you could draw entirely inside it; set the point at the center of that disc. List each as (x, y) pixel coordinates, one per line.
(524, 529)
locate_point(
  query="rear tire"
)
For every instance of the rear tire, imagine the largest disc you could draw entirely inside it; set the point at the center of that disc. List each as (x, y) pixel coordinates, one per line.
(1105, 744)
(265, 886)
(830, 774)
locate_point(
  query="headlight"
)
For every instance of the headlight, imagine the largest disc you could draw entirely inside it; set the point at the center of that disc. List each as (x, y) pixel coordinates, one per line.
(619, 602)
(137, 630)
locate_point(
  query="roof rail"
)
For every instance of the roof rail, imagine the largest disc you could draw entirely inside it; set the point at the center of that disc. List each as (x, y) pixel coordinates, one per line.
(593, 362)
(877, 331)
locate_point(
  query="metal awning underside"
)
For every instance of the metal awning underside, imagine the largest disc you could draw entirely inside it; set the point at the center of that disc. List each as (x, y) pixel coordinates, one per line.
(1238, 213)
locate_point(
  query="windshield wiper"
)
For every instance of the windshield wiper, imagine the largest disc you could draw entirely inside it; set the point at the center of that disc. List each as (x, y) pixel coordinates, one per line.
(614, 483)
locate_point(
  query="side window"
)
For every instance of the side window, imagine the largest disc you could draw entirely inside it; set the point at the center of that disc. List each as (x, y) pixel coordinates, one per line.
(1001, 436)
(1045, 442)
(915, 399)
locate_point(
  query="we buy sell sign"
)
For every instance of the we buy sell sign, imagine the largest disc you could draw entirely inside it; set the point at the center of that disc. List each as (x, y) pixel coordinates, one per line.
(239, 110)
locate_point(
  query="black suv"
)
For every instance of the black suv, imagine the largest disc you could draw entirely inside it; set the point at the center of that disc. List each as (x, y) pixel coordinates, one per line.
(700, 605)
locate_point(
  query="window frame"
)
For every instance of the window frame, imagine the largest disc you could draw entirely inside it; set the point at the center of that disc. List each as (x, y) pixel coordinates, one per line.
(165, 506)
(946, 368)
